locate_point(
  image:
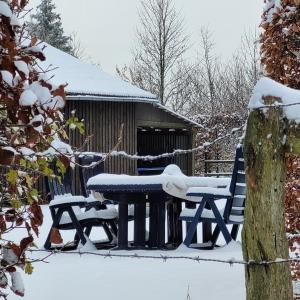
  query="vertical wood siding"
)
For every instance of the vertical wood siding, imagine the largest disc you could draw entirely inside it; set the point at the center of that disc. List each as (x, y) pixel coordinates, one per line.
(103, 121)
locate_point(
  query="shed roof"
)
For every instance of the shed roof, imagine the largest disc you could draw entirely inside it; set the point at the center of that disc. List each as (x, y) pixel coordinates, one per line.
(86, 81)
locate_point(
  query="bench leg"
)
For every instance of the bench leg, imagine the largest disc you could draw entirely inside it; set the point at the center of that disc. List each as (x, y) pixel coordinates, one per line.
(234, 231)
(193, 226)
(215, 235)
(114, 228)
(107, 231)
(56, 219)
(77, 225)
(220, 222)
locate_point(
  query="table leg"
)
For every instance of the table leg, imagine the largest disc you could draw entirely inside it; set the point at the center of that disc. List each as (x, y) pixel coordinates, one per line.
(206, 232)
(174, 224)
(171, 222)
(191, 205)
(139, 224)
(153, 222)
(123, 225)
(161, 214)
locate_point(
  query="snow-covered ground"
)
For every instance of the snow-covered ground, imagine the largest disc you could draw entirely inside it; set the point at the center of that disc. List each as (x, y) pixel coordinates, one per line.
(88, 277)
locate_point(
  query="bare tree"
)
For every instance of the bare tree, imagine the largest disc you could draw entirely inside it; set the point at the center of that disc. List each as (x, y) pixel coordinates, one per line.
(161, 45)
(77, 49)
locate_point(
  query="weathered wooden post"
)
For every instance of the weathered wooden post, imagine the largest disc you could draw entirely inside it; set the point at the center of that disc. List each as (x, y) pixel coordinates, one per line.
(264, 237)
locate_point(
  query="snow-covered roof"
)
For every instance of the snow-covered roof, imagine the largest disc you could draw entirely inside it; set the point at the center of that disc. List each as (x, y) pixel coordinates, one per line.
(88, 82)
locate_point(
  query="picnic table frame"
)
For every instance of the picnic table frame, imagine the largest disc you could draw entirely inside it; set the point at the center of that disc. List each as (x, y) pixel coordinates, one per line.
(160, 202)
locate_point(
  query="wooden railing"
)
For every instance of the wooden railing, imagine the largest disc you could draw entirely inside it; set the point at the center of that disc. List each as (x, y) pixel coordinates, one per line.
(217, 163)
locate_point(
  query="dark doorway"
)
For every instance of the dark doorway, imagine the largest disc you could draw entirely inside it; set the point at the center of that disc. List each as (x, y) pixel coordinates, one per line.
(152, 141)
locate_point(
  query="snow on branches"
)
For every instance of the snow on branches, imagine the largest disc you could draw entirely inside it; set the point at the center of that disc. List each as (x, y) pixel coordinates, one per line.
(31, 122)
(280, 48)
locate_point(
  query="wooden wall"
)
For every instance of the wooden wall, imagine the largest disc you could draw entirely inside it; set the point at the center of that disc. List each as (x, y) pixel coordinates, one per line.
(103, 120)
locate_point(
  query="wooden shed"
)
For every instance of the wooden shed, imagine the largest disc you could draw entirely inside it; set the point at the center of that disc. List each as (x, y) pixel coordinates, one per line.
(105, 102)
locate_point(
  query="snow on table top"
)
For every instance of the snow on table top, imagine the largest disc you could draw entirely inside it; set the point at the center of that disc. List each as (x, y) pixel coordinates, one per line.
(171, 173)
(173, 181)
(85, 79)
(288, 96)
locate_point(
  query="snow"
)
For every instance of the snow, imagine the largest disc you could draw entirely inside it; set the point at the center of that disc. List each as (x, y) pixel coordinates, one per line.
(67, 198)
(56, 102)
(85, 80)
(42, 93)
(11, 149)
(5, 9)
(208, 214)
(37, 118)
(22, 67)
(27, 98)
(288, 96)
(270, 8)
(26, 151)
(58, 146)
(209, 190)
(79, 277)
(17, 285)
(7, 77)
(14, 21)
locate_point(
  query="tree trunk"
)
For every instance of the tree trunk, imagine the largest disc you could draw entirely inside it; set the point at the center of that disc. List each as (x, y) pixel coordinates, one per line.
(264, 237)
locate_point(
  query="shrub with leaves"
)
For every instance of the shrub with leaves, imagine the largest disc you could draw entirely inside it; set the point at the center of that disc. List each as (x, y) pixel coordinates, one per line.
(32, 128)
(280, 49)
(293, 212)
(214, 127)
(280, 57)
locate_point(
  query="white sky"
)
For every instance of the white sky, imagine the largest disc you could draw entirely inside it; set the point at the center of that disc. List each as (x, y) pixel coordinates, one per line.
(106, 28)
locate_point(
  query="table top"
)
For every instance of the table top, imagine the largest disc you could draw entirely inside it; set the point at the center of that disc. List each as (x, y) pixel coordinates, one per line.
(126, 188)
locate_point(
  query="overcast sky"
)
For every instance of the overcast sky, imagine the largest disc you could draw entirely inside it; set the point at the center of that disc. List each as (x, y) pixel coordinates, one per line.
(106, 28)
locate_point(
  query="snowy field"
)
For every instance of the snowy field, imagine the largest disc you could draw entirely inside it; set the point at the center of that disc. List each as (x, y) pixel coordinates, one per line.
(87, 277)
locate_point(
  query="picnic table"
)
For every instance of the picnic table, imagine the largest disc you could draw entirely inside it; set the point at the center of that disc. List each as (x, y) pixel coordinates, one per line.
(160, 193)
(148, 199)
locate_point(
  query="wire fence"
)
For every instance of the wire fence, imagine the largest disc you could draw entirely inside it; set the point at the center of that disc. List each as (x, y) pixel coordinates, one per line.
(162, 257)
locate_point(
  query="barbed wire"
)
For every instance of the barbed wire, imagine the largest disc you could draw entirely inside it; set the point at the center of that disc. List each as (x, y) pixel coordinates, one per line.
(203, 146)
(275, 105)
(123, 154)
(161, 257)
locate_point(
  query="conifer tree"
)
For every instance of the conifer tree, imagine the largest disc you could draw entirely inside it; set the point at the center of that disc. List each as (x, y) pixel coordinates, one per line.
(47, 26)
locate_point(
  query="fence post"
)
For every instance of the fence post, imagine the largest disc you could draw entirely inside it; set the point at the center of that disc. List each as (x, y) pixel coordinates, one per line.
(264, 237)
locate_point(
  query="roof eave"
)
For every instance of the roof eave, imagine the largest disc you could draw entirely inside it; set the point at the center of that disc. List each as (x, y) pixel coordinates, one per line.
(170, 111)
(113, 98)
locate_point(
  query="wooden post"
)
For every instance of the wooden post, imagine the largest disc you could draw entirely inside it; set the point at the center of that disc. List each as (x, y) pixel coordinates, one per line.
(264, 237)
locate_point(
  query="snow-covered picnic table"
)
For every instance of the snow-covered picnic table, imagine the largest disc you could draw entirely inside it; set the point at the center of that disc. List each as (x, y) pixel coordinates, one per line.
(165, 191)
